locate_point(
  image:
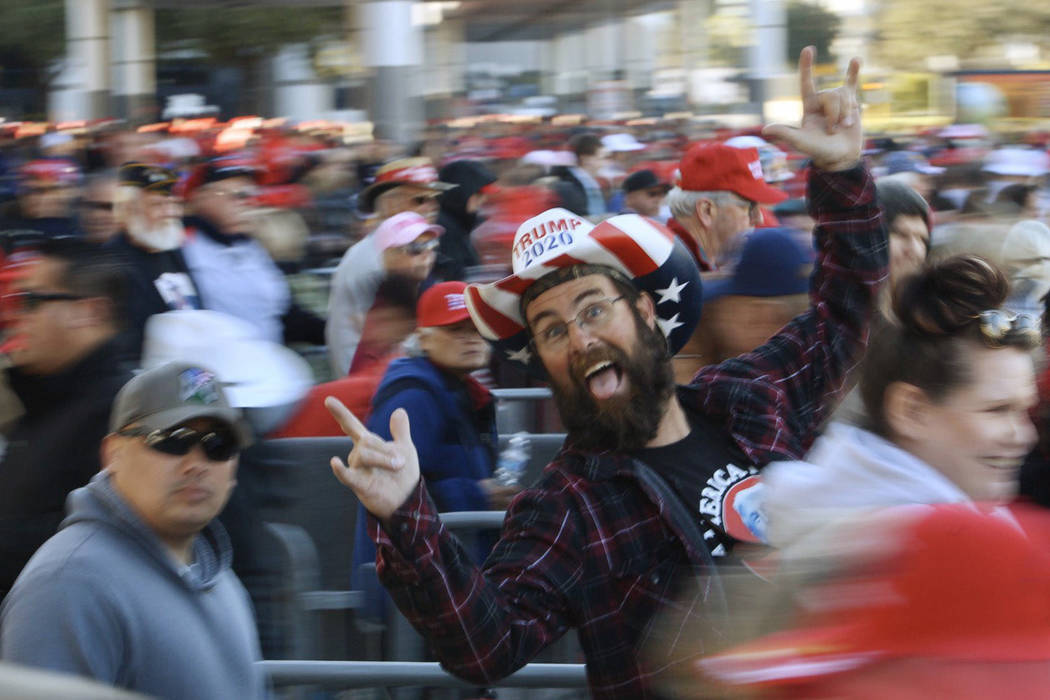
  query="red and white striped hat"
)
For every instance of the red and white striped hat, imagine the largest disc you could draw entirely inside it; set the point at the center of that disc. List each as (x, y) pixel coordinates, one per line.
(638, 247)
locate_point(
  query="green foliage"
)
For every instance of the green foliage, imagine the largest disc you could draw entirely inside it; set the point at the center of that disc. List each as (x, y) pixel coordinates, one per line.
(809, 24)
(33, 36)
(236, 34)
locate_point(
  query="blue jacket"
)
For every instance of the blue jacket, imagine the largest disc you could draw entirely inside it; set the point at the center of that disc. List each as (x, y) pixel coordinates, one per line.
(456, 441)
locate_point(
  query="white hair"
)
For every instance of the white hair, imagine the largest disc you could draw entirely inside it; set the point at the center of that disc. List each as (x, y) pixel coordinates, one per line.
(682, 203)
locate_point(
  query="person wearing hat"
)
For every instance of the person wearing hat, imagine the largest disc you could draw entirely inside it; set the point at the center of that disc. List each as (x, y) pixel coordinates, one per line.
(453, 415)
(47, 189)
(644, 490)
(460, 209)
(716, 198)
(766, 288)
(150, 242)
(66, 313)
(643, 194)
(136, 588)
(405, 184)
(402, 249)
(232, 270)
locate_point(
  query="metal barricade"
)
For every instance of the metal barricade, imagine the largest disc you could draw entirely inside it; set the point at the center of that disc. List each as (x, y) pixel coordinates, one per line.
(368, 674)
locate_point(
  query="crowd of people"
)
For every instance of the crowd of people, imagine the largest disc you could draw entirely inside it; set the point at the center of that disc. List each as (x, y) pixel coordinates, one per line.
(797, 367)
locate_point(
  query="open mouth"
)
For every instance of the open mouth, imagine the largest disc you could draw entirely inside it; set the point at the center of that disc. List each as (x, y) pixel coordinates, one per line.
(1004, 463)
(603, 379)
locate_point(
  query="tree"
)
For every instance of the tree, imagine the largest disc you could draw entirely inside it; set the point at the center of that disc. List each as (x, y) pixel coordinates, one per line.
(809, 24)
(908, 32)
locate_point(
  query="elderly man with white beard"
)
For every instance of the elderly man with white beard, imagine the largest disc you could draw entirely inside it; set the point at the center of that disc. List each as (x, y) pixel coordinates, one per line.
(150, 240)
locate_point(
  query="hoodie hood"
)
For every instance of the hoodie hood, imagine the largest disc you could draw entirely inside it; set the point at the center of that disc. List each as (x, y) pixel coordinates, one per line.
(100, 502)
(849, 472)
(470, 176)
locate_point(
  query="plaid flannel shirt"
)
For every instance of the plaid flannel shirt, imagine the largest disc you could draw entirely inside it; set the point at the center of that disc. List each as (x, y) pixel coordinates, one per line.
(588, 547)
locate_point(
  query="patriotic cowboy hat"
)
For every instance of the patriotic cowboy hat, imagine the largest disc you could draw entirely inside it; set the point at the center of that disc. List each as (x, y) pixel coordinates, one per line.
(638, 247)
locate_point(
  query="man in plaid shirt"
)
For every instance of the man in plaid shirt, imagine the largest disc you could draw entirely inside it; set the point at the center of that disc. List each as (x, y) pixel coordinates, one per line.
(596, 544)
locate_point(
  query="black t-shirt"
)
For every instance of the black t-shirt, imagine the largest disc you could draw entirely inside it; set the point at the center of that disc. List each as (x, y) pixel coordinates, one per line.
(714, 479)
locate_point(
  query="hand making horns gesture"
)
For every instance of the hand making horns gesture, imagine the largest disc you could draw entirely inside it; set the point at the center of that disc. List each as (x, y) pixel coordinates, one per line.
(382, 473)
(830, 132)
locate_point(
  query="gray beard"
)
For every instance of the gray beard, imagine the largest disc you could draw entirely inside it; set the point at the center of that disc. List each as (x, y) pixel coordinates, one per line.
(167, 236)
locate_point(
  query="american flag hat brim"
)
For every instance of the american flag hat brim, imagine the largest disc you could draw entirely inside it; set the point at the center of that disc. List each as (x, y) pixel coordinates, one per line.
(642, 249)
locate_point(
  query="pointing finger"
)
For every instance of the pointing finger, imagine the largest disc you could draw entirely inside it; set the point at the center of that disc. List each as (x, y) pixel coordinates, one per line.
(807, 88)
(347, 421)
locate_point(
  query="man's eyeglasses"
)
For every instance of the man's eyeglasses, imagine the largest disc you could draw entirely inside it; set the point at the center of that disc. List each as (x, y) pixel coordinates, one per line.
(421, 199)
(418, 247)
(218, 446)
(31, 301)
(998, 324)
(96, 206)
(592, 317)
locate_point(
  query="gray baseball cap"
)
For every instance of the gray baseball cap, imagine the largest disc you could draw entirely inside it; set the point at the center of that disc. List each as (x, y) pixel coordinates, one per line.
(165, 396)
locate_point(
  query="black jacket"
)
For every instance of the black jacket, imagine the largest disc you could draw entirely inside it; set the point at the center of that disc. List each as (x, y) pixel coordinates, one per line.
(455, 251)
(52, 449)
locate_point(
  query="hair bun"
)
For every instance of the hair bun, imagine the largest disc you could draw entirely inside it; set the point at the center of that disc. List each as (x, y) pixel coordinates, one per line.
(945, 297)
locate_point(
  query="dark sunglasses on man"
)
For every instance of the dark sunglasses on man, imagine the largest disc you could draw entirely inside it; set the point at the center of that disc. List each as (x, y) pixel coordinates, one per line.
(95, 205)
(418, 247)
(218, 445)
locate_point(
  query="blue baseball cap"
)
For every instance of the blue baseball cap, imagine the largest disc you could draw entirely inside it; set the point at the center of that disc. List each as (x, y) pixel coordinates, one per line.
(773, 262)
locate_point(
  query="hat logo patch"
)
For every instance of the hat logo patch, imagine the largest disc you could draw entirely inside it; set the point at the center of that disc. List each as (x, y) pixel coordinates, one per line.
(543, 238)
(756, 169)
(198, 386)
(455, 302)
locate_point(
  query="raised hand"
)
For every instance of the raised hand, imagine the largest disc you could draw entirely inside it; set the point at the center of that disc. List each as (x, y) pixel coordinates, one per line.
(381, 473)
(830, 132)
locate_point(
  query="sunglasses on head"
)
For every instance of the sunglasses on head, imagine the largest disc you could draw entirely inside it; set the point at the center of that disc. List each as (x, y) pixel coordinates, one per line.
(997, 324)
(218, 445)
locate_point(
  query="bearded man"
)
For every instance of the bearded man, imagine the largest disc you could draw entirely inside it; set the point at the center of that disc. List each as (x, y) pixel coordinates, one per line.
(150, 242)
(643, 493)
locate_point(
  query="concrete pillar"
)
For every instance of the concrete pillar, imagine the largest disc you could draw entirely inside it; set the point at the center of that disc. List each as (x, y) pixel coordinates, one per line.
(444, 67)
(392, 49)
(134, 60)
(82, 88)
(297, 91)
(767, 53)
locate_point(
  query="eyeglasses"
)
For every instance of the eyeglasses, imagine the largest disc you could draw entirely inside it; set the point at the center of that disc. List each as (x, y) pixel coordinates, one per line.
(218, 446)
(998, 324)
(418, 247)
(96, 206)
(592, 317)
(421, 199)
(31, 301)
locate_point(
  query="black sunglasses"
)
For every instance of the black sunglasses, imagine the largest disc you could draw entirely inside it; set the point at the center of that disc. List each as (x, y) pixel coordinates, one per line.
(420, 200)
(31, 301)
(418, 247)
(218, 445)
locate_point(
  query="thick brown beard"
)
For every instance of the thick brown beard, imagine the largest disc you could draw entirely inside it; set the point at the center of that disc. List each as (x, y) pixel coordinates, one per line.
(619, 423)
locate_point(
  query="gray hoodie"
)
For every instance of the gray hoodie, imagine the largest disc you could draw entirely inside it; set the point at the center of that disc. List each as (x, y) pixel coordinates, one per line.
(103, 598)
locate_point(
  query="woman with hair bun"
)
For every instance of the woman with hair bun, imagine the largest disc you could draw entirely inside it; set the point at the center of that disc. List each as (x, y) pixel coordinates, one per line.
(947, 387)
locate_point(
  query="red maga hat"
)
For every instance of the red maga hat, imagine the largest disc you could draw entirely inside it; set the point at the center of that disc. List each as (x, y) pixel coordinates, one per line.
(717, 167)
(418, 172)
(442, 305)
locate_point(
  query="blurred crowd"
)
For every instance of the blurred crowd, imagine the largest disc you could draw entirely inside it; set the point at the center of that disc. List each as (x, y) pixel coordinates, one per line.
(297, 262)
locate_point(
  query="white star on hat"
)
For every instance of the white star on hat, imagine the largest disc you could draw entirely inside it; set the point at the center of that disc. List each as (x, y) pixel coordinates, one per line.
(673, 291)
(669, 324)
(523, 356)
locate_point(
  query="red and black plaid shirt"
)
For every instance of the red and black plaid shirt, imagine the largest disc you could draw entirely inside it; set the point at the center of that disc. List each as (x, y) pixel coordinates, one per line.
(588, 547)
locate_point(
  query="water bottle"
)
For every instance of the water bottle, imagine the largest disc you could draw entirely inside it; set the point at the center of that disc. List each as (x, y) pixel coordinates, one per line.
(512, 460)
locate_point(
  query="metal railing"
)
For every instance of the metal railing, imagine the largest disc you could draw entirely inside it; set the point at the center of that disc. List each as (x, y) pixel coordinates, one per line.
(366, 674)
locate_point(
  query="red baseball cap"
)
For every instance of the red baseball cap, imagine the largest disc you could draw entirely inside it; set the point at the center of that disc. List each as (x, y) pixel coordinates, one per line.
(717, 167)
(418, 172)
(442, 305)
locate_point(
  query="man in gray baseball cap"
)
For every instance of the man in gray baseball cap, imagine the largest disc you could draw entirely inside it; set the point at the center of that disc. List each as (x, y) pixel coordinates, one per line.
(136, 589)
